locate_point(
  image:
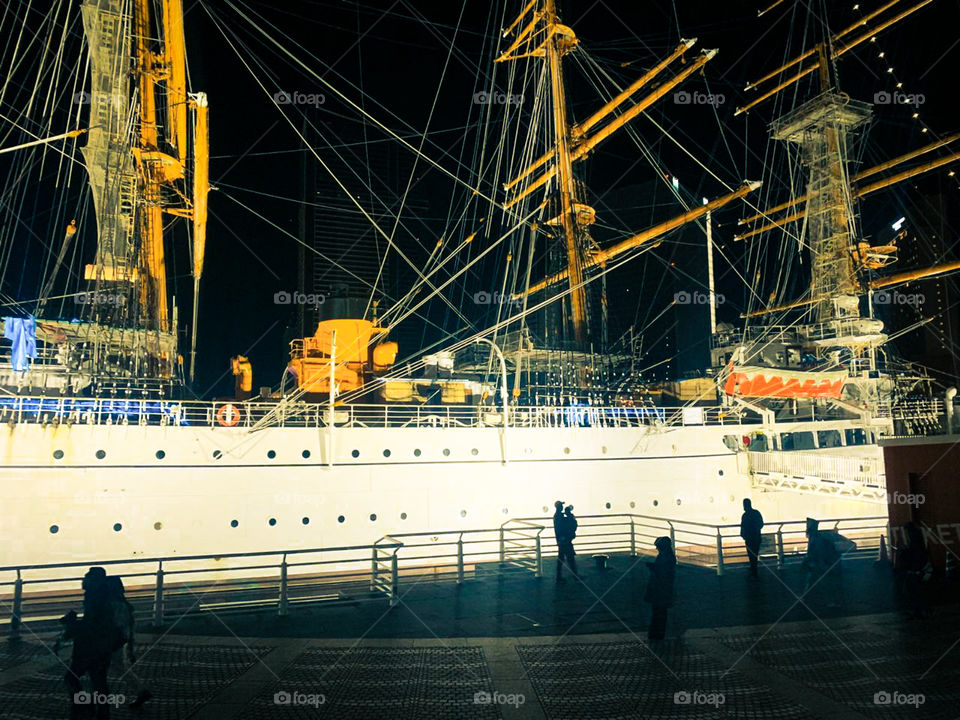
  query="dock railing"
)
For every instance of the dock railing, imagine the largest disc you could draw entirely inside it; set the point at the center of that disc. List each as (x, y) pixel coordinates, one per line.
(166, 587)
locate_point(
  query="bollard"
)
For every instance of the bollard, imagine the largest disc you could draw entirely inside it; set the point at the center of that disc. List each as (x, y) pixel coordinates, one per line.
(719, 553)
(158, 598)
(16, 620)
(282, 604)
(538, 571)
(394, 598)
(460, 560)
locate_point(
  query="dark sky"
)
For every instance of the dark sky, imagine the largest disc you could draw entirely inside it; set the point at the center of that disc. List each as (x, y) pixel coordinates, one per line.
(394, 58)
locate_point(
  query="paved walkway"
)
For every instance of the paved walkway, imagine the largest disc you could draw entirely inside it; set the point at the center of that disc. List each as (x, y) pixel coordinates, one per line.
(512, 646)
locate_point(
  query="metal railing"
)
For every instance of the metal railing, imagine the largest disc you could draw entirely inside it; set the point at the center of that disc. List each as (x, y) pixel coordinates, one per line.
(841, 469)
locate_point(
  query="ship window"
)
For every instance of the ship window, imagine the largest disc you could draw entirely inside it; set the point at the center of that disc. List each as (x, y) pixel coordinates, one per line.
(829, 438)
(234, 523)
(604, 449)
(720, 473)
(856, 436)
(632, 504)
(217, 454)
(117, 527)
(271, 454)
(58, 454)
(101, 454)
(545, 510)
(373, 517)
(158, 526)
(446, 452)
(161, 454)
(474, 451)
(54, 529)
(566, 451)
(386, 453)
(678, 501)
(355, 453)
(306, 454)
(341, 519)
(403, 516)
(608, 506)
(797, 441)
(305, 521)
(416, 453)
(463, 513)
(656, 503)
(272, 521)
(505, 511)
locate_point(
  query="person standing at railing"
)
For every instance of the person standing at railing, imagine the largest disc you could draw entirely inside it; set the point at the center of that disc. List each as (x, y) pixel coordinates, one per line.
(565, 532)
(659, 591)
(751, 523)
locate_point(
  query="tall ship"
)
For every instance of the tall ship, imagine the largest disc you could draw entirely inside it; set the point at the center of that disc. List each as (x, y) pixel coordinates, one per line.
(106, 455)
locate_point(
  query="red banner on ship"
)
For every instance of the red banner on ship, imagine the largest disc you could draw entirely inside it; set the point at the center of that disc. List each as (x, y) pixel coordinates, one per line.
(769, 382)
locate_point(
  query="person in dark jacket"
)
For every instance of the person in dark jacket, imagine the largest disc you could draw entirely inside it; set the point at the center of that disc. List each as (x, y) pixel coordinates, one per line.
(570, 526)
(660, 587)
(751, 523)
(565, 531)
(913, 565)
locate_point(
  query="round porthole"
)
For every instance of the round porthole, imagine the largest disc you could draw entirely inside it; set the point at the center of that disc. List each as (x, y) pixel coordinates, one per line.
(417, 453)
(271, 454)
(161, 454)
(463, 513)
(373, 517)
(656, 503)
(272, 521)
(158, 526)
(545, 509)
(101, 454)
(474, 451)
(720, 473)
(403, 516)
(678, 501)
(305, 521)
(117, 527)
(58, 454)
(234, 523)
(355, 453)
(341, 519)
(54, 529)
(566, 451)
(608, 506)
(305, 454)
(711, 498)
(217, 454)
(386, 453)
(505, 510)
(604, 449)
(446, 452)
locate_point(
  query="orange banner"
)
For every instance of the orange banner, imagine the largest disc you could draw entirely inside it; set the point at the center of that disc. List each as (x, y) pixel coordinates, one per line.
(771, 382)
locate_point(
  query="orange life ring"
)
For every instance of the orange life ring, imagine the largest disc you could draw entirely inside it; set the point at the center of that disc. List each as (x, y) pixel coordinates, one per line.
(229, 415)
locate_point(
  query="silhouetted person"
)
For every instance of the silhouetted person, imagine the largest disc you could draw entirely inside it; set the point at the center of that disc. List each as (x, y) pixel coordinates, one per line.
(751, 523)
(570, 526)
(913, 564)
(561, 529)
(660, 587)
(822, 557)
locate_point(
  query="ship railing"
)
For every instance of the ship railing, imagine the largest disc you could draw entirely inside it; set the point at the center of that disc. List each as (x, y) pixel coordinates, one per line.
(840, 469)
(165, 587)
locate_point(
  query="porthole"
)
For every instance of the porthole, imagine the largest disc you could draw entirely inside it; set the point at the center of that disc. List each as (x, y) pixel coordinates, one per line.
(101, 454)
(446, 452)
(604, 450)
(416, 453)
(678, 501)
(54, 529)
(305, 454)
(608, 506)
(58, 454)
(234, 523)
(711, 499)
(117, 527)
(373, 517)
(217, 454)
(528, 451)
(305, 521)
(161, 454)
(271, 454)
(355, 453)
(720, 473)
(632, 504)
(474, 451)
(656, 503)
(272, 521)
(566, 451)
(403, 516)
(545, 510)
(504, 510)
(158, 526)
(386, 453)
(463, 513)
(341, 519)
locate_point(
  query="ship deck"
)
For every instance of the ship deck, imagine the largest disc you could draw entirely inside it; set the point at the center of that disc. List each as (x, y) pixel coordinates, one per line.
(736, 647)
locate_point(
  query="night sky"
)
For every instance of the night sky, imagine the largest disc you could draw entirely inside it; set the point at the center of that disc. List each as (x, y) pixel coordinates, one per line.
(397, 53)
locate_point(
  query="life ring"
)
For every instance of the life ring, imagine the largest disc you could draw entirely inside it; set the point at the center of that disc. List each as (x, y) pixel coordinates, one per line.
(229, 415)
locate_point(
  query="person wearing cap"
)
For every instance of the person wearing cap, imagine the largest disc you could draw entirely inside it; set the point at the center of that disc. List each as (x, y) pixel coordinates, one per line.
(561, 530)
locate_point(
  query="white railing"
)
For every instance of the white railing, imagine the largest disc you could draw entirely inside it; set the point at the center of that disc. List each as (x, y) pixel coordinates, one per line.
(840, 469)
